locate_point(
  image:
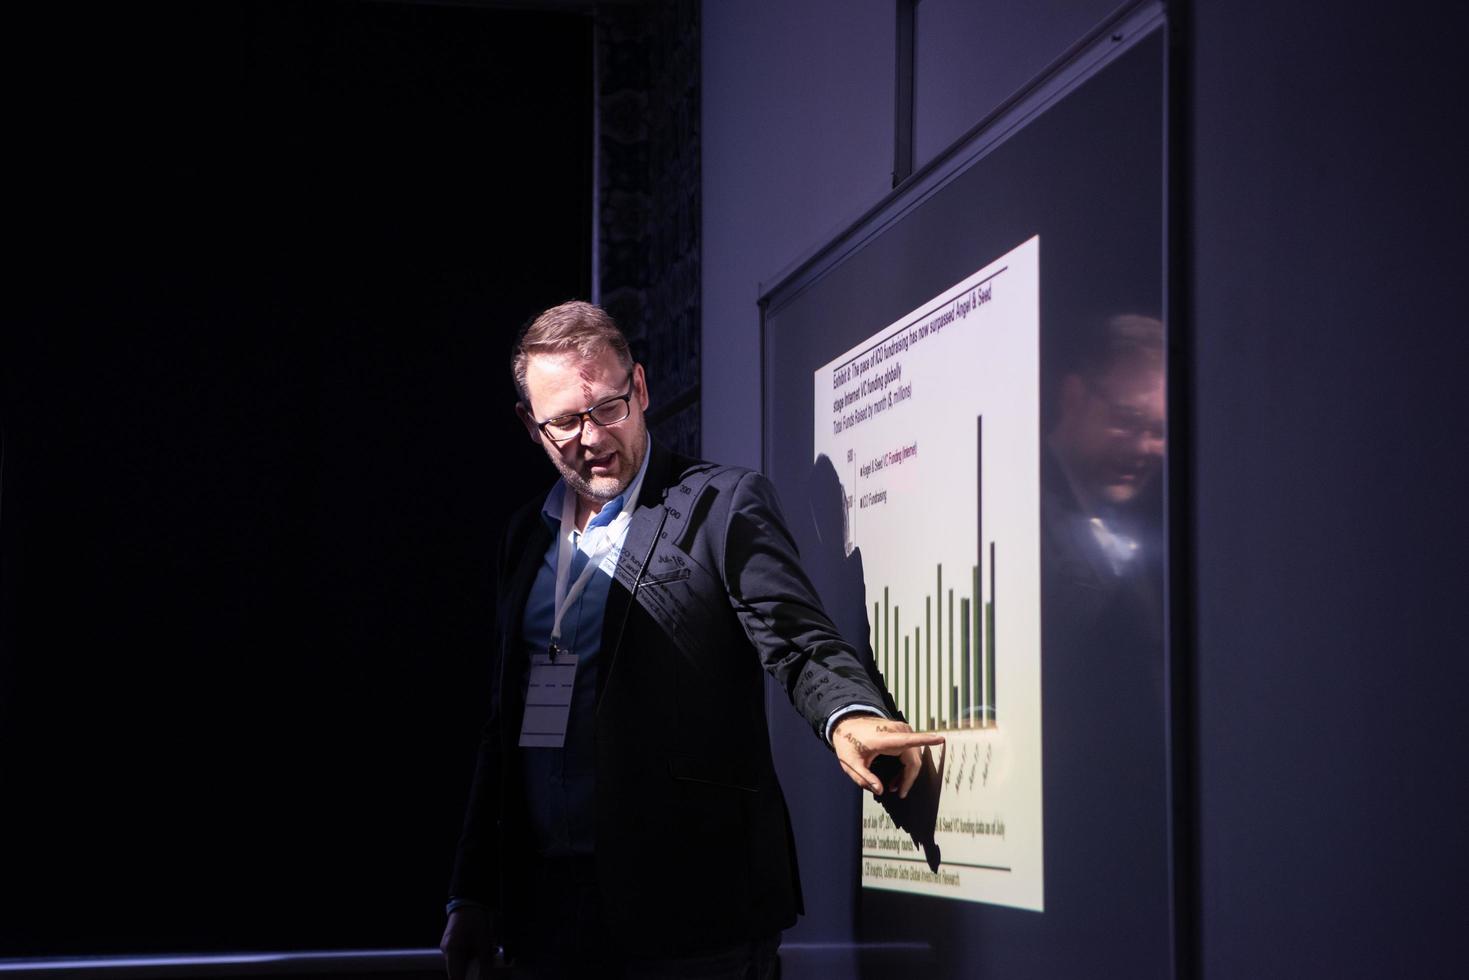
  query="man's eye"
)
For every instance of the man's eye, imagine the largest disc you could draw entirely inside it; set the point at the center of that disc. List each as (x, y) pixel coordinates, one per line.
(614, 410)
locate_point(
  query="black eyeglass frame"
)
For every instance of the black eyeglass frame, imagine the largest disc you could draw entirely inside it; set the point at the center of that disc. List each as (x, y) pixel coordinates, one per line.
(588, 414)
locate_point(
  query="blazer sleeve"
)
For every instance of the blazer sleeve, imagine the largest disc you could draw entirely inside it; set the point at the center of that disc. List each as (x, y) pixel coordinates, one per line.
(476, 863)
(778, 608)
(477, 859)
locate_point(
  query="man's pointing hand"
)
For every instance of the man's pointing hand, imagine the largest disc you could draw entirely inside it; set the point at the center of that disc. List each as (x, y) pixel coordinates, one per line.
(858, 739)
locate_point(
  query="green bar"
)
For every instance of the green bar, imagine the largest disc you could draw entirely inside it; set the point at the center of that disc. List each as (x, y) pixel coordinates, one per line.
(907, 676)
(977, 649)
(887, 661)
(877, 635)
(927, 660)
(994, 701)
(902, 685)
(938, 642)
(954, 711)
(989, 665)
(915, 719)
(964, 642)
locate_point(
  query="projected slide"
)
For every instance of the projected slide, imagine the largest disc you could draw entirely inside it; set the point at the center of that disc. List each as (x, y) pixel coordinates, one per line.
(932, 424)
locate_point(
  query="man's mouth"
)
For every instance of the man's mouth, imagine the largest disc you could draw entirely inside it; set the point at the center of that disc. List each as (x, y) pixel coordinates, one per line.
(602, 465)
(1130, 475)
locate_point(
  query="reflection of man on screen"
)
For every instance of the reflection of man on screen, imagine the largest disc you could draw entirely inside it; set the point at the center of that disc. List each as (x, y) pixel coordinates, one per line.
(1102, 607)
(1106, 449)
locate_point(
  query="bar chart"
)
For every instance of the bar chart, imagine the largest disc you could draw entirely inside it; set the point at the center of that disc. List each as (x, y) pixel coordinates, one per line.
(942, 672)
(935, 422)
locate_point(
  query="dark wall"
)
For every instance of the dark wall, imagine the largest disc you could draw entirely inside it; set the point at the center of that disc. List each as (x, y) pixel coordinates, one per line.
(1328, 216)
(970, 57)
(1321, 318)
(648, 142)
(257, 444)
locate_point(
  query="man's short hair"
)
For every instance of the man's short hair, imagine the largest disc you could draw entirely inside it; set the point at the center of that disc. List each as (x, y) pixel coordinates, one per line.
(576, 326)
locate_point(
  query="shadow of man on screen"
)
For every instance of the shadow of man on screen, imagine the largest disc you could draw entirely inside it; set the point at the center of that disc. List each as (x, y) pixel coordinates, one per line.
(835, 566)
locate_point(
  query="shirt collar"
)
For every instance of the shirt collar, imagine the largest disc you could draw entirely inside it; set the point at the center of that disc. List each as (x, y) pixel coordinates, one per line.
(551, 509)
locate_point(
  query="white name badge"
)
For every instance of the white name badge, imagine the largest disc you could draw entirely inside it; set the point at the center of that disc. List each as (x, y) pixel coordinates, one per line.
(548, 701)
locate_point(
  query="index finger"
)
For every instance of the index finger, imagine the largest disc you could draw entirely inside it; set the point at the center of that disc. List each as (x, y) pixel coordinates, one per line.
(894, 743)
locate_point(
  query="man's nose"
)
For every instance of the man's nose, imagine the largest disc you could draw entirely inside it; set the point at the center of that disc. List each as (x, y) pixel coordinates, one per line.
(592, 434)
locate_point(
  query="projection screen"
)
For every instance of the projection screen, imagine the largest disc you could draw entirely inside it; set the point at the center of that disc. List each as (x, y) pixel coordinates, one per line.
(964, 412)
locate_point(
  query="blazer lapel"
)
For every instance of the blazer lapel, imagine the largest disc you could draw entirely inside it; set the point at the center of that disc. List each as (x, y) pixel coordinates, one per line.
(642, 535)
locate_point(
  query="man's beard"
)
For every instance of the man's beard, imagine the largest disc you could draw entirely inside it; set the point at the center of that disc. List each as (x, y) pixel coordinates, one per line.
(606, 490)
(584, 487)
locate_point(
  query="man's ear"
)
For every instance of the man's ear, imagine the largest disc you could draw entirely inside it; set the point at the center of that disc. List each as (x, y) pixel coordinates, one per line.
(640, 386)
(530, 423)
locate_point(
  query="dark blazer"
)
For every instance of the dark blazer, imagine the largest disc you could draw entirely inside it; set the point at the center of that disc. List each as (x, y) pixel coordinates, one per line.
(693, 840)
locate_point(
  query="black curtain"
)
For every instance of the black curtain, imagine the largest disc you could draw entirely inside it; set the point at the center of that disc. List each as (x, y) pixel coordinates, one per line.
(257, 445)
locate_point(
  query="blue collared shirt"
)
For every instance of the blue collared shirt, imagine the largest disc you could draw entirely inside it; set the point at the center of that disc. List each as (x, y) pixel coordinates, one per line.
(559, 783)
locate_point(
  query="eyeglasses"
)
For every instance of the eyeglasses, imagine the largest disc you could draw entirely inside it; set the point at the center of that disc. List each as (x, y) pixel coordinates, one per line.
(604, 413)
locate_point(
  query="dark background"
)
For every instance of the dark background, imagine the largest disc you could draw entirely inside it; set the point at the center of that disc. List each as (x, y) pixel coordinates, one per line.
(1317, 157)
(257, 439)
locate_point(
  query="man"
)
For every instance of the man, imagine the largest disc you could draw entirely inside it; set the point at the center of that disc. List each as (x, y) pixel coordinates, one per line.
(625, 817)
(1106, 451)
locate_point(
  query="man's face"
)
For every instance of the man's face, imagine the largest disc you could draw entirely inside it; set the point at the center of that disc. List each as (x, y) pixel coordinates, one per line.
(1111, 429)
(601, 460)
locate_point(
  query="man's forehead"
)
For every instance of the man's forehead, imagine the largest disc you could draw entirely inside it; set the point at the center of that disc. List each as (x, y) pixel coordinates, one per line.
(1136, 377)
(568, 375)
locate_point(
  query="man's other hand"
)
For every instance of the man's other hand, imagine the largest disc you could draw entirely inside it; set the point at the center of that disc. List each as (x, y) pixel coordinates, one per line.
(469, 946)
(858, 739)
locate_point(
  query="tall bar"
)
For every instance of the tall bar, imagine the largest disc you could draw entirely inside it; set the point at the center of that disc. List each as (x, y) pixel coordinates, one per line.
(978, 488)
(976, 719)
(976, 716)
(927, 661)
(954, 706)
(938, 643)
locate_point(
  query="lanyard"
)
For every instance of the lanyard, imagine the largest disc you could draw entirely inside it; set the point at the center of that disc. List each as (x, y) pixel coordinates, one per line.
(567, 592)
